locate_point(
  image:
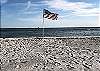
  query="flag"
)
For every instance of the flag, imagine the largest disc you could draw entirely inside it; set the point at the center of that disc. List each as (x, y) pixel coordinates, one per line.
(49, 15)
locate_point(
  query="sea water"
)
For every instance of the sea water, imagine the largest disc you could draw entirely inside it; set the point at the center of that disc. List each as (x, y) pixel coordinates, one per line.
(49, 32)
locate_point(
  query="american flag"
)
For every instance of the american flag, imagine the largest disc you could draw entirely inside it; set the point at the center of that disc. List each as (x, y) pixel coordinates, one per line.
(49, 15)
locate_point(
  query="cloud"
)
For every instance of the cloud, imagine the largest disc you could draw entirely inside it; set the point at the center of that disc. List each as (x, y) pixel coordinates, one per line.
(31, 12)
(87, 12)
(62, 4)
(29, 4)
(35, 21)
(3, 1)
(77, 8)
(25, 19)
(26, 5)
(27, 12)
(31, 19)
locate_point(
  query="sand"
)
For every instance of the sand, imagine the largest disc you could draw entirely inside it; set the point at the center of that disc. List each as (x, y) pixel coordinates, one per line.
(50, 54)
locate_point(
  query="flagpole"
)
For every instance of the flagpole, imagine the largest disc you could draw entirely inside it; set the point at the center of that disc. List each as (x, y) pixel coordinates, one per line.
(43, 26)
(49, 15)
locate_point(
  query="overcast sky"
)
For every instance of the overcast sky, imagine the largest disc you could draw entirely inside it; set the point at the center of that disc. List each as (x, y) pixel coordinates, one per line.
(28, 13)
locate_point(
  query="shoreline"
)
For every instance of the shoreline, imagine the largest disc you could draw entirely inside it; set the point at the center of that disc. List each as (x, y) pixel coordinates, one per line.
(58, 37)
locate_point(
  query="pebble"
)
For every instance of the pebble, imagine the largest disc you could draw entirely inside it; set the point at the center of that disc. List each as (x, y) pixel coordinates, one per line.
(50, 54)
(17, 66)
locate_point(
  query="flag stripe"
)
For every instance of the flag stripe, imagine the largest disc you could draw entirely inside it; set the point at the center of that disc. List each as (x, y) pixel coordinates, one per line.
(55, 17)
(47, 16)
(51, 16)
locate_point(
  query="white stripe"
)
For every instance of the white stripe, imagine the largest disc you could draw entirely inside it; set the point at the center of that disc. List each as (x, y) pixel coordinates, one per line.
(54, 17)
(50, 15)
(45, 15)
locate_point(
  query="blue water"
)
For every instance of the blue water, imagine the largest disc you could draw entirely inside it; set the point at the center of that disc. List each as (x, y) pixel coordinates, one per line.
(49, 32)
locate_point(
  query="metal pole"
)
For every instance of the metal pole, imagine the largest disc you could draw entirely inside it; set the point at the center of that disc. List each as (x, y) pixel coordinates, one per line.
(43, 27)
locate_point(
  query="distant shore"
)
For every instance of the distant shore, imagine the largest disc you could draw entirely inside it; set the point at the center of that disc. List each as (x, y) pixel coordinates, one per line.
(50, 53)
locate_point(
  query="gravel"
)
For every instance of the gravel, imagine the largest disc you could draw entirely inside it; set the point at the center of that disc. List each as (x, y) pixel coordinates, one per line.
(50, 54)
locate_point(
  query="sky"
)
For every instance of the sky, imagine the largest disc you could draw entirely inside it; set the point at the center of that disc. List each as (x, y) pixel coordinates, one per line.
(28, 13)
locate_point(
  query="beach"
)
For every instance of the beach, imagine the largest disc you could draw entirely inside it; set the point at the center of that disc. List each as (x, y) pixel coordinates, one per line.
(50, 54)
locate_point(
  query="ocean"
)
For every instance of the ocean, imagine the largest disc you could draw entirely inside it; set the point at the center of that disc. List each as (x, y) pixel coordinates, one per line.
(49, 32)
